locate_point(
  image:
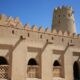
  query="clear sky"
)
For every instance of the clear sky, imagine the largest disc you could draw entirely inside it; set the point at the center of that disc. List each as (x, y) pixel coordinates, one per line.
(38, 12)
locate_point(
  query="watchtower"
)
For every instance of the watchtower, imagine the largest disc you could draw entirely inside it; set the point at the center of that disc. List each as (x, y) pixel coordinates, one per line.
(63, 19)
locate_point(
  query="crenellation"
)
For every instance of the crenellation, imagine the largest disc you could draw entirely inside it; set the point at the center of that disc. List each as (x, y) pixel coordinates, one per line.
(41, 29)
(17, 20)
(47, 30)
(60, 32)
(34, 28)
(54, 31)
(63, 8)
(74, 35)
(27, 27)
(3, 17)
(78, 36)
(66, 33)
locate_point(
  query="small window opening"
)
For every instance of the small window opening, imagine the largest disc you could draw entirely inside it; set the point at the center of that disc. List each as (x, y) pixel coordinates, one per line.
(52, 38)
(71, 41)
(12, 31)
(47, 40)
(28, 35)
(21, 37)
(62, 40)
(40, 36)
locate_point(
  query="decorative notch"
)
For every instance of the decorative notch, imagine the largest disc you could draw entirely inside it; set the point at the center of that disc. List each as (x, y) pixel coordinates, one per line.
(52, 38)
(12, 31)
(11, 22)
(54, 31)
(78, 36)
(74, 35)
(27, 27)
(69, 34)
(28, 35)
(60, 32)
(65, 33)
(34, 28)
(47, 30)
(17, 20)
(41, 36)
(18, 23)
(41, 29)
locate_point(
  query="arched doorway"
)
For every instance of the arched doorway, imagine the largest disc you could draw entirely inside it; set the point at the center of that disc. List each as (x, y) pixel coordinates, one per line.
(76, 71)
(56, 69)
(32, 69)
(3, 68)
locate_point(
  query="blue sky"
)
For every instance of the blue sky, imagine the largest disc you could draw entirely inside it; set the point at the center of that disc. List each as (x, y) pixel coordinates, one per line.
(38, 12)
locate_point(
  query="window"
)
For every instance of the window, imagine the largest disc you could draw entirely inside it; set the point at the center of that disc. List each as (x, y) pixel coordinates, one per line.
(28, 35)
(46, 40)
(71, 41)
(57, 69)
(32, 69)
(62, 39)
(40, 36)
(3, 68)
(12, 31)
(52, 38)
(21, 37)
(76, 71)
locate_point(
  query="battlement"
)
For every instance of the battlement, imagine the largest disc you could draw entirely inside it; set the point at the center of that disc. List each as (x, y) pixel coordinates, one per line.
(16, 24)
(63, 8)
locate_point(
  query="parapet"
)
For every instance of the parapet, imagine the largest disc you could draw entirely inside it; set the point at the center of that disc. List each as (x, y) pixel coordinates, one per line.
(16, 24)
(63, 8)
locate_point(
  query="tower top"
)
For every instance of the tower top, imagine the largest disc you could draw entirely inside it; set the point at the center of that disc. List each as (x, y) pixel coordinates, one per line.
(63, 19)
(63, 8)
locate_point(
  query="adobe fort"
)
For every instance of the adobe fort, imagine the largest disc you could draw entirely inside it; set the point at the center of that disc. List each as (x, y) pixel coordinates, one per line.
(37, 54)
